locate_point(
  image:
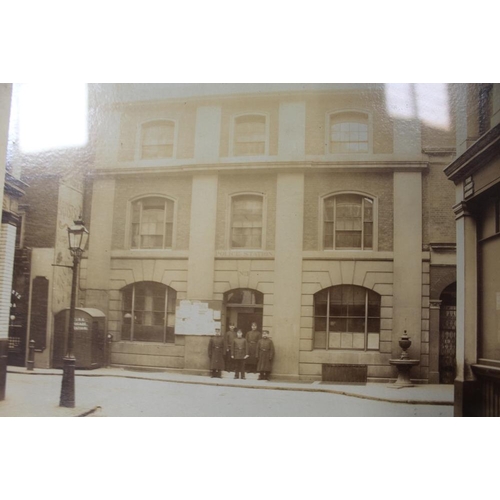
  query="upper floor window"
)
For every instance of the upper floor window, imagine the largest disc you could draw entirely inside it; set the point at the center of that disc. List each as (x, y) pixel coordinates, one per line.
(157, 140)
(250, 135)
(348, 222)
(347, 317)
(247, 221)
(152, 223)
(348, 133)
(148, 312)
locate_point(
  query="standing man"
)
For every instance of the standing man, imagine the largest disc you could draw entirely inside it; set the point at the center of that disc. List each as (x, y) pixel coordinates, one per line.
(253, 336)
(239, 354)
(265, 355)
(228, 339)
(216, 354)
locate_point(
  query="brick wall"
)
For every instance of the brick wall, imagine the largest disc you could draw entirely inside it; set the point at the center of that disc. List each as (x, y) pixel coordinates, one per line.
(41, 221)
(176, 187)
(438, 198)
(321, 184)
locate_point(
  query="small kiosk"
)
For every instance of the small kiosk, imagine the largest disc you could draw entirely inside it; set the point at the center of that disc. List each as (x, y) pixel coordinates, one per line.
(90, 338)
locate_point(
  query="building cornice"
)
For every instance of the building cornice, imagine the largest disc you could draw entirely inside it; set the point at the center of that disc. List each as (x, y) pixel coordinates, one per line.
(14, 186)
(477, 155)
(319, 166)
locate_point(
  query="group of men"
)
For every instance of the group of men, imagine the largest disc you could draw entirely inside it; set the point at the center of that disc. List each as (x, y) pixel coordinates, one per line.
(232, 352)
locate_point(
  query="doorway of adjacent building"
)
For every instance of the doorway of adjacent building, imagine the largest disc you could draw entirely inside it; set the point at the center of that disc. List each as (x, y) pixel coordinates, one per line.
(448, 335)
(243, 307)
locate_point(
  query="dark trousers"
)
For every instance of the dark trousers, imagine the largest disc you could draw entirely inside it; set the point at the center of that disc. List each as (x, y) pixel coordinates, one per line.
(239, 368)
(229, 362)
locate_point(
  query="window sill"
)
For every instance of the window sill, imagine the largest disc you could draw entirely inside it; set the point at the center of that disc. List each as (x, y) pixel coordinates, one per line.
(150, 254)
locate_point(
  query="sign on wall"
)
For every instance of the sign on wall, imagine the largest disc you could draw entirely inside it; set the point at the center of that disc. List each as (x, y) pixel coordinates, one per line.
(196, 318)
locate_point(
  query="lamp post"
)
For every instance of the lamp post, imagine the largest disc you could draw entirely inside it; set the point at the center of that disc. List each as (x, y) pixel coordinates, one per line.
(78, 236)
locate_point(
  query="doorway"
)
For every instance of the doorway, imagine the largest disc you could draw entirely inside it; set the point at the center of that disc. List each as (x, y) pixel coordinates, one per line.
(448, 335)
(243, 307)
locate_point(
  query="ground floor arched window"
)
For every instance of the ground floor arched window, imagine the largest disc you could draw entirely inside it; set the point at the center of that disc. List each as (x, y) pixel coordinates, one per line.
(148, 312)
(347, 317)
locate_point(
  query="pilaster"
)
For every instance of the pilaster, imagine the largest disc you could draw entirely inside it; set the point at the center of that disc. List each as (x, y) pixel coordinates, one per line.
(99, 252)
(288, 272)
(407, 289)
(201, 263)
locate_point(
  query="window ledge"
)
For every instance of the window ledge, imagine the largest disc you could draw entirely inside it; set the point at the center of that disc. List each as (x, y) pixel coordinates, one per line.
(347, 255)
(149, 254)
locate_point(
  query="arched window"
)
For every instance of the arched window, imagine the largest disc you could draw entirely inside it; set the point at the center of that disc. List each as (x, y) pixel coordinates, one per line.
(349, 133)
(348, 222)
(152, 223)
(148, 312)
(157, 140)
(247, 221)
(250, 135)
(347, 317)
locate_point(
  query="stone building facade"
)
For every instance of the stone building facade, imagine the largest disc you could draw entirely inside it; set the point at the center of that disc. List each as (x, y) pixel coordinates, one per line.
(323, 215)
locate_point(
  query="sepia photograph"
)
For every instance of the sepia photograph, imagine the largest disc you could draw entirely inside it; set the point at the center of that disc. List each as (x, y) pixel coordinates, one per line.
(258, 249)
(270, 290)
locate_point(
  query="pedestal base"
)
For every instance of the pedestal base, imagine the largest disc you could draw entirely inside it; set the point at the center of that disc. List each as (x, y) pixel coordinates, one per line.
(68, 384)
(404, 366)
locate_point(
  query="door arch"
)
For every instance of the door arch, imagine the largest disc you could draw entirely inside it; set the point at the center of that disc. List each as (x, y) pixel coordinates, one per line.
(448, 334)
(244, 306)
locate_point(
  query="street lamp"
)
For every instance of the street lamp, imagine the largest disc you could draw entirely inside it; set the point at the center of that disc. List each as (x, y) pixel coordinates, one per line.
(78, 236)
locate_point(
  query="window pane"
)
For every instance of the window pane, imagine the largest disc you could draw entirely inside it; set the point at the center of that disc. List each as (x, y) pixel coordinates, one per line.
(149, 312)
(319, 341)
(348, 133)
(320, 324)
(356, 325)
(338, 324)
(374, 325)
(246, 224)
(358, 341)
(158, 140)
(334, 340)
(250, 135)
(346, 340)
(373, 341)
(348, 239)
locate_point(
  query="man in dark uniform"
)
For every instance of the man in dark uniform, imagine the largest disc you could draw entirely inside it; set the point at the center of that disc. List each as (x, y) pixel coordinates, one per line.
(239, 354)
(253, 336)
(228, 338)
(265, 355)
(216, 354)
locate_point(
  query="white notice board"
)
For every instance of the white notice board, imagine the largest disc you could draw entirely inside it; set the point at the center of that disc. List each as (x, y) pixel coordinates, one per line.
(195, 318)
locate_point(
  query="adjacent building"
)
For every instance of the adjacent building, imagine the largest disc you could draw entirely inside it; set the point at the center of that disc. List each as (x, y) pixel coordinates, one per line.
(11, 192)
(476, 175)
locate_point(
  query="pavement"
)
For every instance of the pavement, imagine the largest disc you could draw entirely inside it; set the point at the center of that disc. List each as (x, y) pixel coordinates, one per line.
(26, 396)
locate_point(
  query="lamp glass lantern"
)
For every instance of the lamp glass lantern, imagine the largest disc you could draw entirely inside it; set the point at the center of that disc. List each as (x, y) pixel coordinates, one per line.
(78, 236)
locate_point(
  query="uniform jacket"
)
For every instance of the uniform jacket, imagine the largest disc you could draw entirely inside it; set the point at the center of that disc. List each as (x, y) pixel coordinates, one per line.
(265, 355)
(216, 351)
(228, 339)
(239, 348)
(253, 337)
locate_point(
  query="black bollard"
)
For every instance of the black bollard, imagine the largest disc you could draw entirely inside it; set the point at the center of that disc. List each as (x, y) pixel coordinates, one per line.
(109, 339)
(31, 356)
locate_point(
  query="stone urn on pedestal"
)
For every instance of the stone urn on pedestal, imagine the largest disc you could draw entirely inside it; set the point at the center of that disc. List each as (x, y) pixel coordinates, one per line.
(403, 364)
